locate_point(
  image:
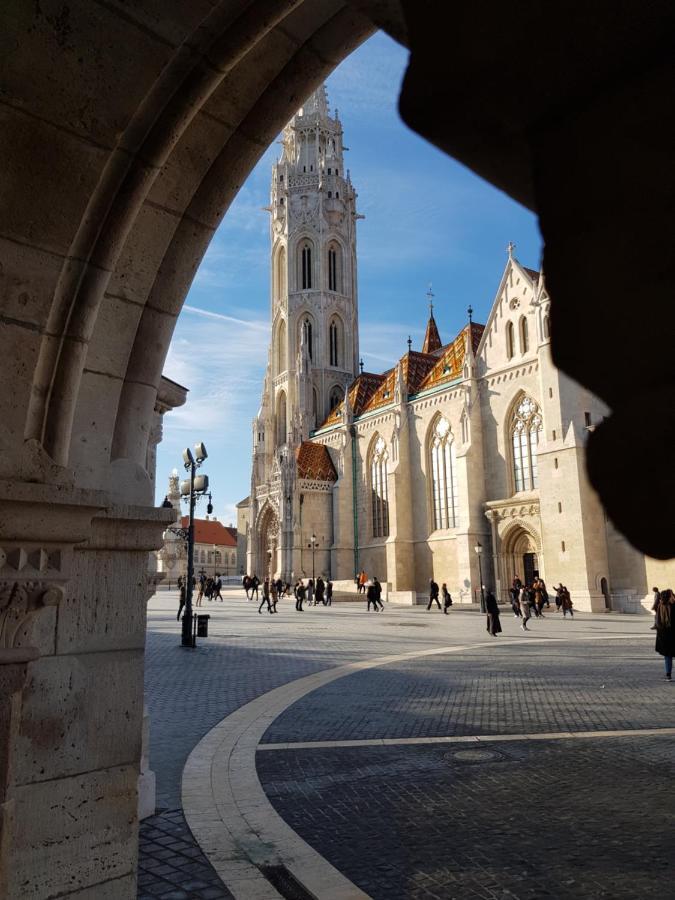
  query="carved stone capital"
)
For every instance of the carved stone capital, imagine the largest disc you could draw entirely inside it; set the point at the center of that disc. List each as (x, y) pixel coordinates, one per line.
(21, 602)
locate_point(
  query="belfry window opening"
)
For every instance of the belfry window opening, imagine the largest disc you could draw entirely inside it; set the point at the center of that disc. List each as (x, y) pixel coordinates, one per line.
(306, 267)
(525, 430)
(333, 343)
(332, 269)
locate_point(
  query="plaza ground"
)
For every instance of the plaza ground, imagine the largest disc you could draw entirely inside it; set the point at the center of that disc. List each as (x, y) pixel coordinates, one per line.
(408, 753)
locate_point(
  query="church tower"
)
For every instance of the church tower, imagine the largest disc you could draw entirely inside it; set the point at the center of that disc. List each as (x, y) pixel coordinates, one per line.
(314, 352)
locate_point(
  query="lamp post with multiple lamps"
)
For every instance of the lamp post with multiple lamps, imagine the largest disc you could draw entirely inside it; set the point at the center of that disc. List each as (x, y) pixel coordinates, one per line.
(193, 487)
(313, 544)
(479, 552)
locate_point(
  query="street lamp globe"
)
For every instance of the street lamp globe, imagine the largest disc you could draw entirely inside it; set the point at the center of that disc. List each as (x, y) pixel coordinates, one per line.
(478, 548)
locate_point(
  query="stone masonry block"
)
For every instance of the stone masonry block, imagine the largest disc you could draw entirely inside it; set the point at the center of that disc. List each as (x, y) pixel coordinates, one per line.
(72, 833)
(80, 713)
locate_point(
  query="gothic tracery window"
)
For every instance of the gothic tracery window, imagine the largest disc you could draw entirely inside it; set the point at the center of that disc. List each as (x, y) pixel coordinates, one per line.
(443, 476)
(526, 427)
(378, 489)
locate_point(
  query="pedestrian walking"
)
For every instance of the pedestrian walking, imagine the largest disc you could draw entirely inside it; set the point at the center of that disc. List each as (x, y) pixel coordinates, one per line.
(362, 579)
(492, 608)
(655, 606)
(255, 582)
(433, 594)
(319, 591)
(274, 594)
(329, 593)
(300, 594)
(371, 596)
(447, 599)
(217, 587)
(310, 592)
(665, 630)
(246, 583)
(265, 596)
(525, 610)
(558, 598)
(566, 602)
(181, 599)
(378, 593)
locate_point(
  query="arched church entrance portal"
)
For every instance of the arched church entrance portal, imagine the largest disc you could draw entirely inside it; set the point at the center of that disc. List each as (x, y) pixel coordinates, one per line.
(268, 546)
(519, 556)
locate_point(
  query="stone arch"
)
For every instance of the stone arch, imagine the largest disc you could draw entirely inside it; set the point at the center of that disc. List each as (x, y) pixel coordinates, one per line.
(267, 541)
(336, 341)
(520, 552)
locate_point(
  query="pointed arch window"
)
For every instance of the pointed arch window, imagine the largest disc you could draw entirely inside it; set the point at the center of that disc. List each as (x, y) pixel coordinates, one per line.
(379, 496)
(509, 340)
(524, 336)
(335, 398)
(443, 475)
(306, 267)
(526, 428)
(334, 268)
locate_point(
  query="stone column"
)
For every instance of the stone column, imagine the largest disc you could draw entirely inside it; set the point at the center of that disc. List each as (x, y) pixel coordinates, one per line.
(73, 591)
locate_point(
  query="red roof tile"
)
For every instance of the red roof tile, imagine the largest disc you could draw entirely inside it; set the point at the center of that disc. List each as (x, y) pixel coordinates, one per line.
(314, 462)
(210, 531)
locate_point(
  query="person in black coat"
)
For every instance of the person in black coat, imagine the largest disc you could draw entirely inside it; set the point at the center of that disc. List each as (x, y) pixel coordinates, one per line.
(433, 594)
(371, 597)
(492, 608)
(665, 630)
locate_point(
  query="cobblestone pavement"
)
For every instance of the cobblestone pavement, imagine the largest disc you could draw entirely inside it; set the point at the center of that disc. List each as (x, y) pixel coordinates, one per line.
(536, 820)
(499, 688)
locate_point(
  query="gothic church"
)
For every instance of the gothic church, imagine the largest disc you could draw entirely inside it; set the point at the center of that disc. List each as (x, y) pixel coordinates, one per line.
(474, 444)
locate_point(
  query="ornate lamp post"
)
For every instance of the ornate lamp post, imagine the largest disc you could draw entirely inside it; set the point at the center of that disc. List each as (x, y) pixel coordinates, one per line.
(191, 489)
(479, 552)
(313, 543)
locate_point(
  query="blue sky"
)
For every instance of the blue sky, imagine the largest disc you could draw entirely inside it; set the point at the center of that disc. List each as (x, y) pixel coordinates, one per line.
(427, 220)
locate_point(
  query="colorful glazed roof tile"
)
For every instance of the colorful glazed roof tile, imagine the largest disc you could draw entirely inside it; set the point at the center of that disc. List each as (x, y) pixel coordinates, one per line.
(314, 462)
(420, 372)
(449, 365)
(432, 339)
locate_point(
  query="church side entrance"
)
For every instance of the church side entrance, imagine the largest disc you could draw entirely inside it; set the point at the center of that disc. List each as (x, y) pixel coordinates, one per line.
(268, 545)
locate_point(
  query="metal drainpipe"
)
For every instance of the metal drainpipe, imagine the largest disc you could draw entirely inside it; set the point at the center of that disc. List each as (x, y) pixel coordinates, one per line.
(352, 432)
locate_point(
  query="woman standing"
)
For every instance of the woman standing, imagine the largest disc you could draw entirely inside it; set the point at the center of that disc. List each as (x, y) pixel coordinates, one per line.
(525, 610)
(492, 609)
(665, 630)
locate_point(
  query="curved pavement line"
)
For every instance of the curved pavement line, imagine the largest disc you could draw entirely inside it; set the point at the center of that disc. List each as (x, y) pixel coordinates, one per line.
(228, 811)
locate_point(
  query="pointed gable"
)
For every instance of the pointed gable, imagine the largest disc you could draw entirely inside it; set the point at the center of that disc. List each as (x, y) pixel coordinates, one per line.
(314, 462)
(432, 339)
(449, 366)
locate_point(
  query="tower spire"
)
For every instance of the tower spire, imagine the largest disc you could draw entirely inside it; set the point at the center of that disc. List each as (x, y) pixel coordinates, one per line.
(432, 339)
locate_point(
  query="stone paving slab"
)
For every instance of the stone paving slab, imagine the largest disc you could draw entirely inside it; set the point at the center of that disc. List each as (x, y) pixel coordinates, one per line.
(594, 685)
(536, 820)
